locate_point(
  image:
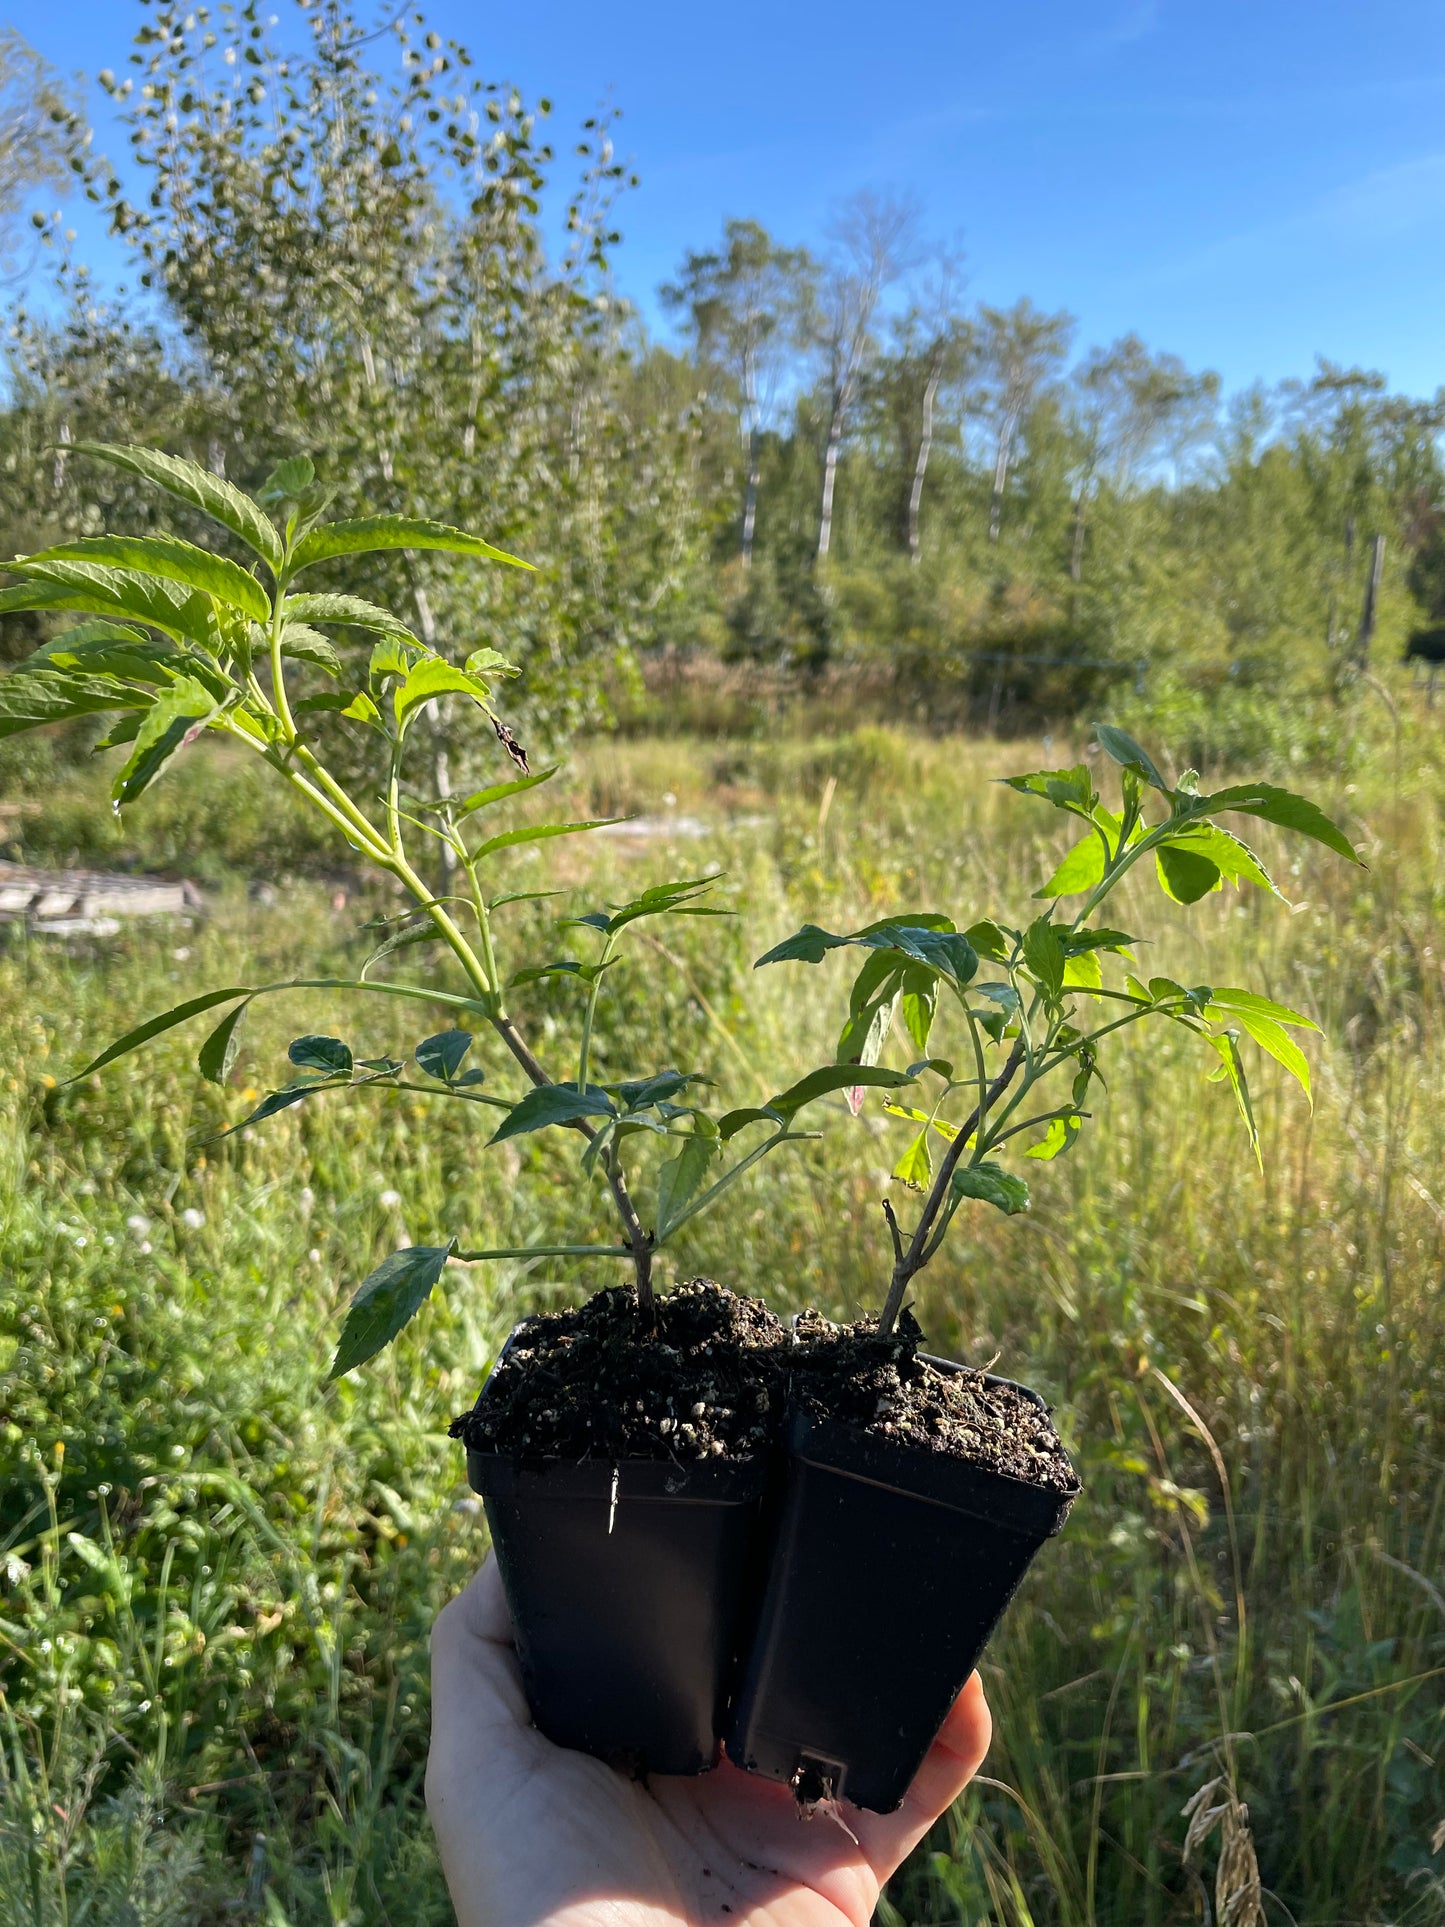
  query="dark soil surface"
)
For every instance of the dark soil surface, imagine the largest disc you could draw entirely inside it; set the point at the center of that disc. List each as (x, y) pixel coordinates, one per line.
(589, 1383)
(716, 1377)
(885, 1388)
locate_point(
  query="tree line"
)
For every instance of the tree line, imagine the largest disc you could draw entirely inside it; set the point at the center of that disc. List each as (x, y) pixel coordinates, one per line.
(841, 458)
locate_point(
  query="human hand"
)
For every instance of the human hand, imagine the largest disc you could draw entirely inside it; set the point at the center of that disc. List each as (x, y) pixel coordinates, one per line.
(534, 1835)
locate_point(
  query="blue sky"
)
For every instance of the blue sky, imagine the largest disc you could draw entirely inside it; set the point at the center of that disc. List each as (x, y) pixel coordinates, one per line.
(1247, 183)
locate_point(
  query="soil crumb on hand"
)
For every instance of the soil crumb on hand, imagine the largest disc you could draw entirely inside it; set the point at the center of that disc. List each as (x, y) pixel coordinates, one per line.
(591, 1382)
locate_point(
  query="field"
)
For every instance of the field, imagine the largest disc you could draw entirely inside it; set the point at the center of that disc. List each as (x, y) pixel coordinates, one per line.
(217, 1572)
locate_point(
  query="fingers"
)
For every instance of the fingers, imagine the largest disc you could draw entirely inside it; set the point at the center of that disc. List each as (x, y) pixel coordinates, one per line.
(951, 1762)
(476, 1682)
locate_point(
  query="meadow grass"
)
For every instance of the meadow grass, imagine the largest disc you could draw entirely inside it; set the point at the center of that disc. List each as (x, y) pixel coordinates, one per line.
(217, 1572)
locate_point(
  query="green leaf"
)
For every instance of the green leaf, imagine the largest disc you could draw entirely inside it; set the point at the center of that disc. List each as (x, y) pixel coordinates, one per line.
(441, 1056)
(326, 1054)
(1078, 941)
(277, 1101)
(174, 719)
(732, 1122)
(188, 482)
(539, 833)
(682, 1177)
(1082, 972)
(430, 678)
(1043, 953)
(309, 645)
(871, 1005)
(96, 589)
(989, 941)
(562, 967)
(372, 533)
(1246, 1000)
(992, 1185)
(834, 1077)
(1119, 744)
(389, 1299)
(911, 1112)
(124, 729)
(1271, 1037)
(491, 662)
(495, 793)
(349, 610)
(1233, 1069)
(218, 1054)
(1233, 859)
(34, 697)
(920, 1003)
(662, 900)
(155, 1026)
(1184, 875)
(554, 1104)
(1067, 789)
(1081, 869)
(1058, 1138)
(362, 709)
(808, 945)
(915, 1167)
(640, 1094)
(289, 480)
(1290, 812)
(171, 559)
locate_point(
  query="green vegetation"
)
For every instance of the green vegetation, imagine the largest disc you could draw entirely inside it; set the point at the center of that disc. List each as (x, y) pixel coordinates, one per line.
(216, 1596)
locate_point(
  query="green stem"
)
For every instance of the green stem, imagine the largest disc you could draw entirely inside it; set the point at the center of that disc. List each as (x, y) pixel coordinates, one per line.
(547, 1251)
(916, 1256)
(585, 1049)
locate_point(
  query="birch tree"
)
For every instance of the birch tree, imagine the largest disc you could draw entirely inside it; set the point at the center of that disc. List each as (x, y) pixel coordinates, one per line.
(745, 305)
(874, 241)
(1022, 349)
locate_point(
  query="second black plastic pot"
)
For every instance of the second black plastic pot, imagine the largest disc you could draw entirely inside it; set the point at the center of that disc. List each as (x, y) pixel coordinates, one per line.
(627, 1584)
(890, 1567)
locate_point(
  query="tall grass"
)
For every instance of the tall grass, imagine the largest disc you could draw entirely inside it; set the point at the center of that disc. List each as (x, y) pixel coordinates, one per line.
(218, 1572)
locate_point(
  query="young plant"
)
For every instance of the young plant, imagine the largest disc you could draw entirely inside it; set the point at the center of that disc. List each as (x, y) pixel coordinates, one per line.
(1033, 1005)
(178, 640)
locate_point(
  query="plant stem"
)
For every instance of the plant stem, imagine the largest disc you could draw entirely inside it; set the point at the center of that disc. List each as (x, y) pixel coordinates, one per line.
(915, 1257)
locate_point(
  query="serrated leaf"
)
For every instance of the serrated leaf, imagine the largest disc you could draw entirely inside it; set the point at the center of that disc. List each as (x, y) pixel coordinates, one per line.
(156, 1026)
(171, 559)
(808, 945)
(96, 589)
(1058, 1138)
(540, 833)
(326, 1054)
(1081, 869)
(553, 1104)
(834, 1077)
(1119, 744)
(1234, 860)
(217, 1056)
(681, 1178)
(1043, 953)
(309, 645)
(188, 482)
(1282, 807)
(1082, 972)
(430, 678)
(350, 611)
(915, 1167)
(388, 1300)
(640, 1093)
(369, 535)
(289, 479)
(1184, 875)
(496, 793)
(989, 940)
(991, 1184)
(1067, 789)
(1271, 1037)
(1233, 1065)
(34, 697)
(174, 719)
(441, 1056)
(1241, 1000)
(732, 1122)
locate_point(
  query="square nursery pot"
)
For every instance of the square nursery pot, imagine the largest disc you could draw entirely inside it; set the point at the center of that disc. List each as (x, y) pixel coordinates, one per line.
(891, 1566)
(628, 1585)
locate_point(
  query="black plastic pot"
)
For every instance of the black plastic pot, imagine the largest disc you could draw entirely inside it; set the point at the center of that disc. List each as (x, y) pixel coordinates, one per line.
(628, 1586)
(890, 1568)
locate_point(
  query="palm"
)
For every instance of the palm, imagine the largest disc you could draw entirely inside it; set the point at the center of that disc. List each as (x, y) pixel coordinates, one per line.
(530, 1832)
